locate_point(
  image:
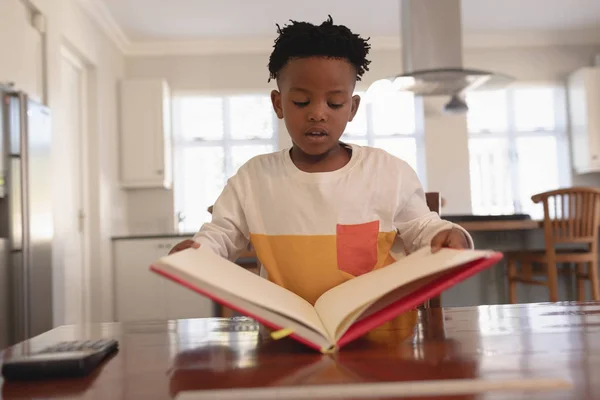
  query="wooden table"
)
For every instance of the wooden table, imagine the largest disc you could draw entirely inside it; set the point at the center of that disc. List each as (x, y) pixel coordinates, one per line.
(159, 359)
(493, 225)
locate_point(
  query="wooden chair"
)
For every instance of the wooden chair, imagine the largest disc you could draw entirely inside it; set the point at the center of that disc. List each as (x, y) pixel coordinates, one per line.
(434, 201)
(571, 217)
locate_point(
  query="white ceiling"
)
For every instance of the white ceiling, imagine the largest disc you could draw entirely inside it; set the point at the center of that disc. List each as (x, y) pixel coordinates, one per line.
(159, 20)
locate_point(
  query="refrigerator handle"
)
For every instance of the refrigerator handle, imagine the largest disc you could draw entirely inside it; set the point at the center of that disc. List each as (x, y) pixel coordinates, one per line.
(23, 158)
(24, 138)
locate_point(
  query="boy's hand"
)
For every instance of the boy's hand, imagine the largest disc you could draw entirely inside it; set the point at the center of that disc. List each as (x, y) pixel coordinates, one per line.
(186, 244)
(452, 238)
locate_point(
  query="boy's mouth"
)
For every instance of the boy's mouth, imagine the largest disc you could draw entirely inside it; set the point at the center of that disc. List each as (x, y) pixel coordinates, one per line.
(316, 133)
(316, 136)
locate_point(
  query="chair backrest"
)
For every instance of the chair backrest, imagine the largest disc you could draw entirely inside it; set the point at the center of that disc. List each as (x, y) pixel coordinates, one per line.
(571, 215)
(433, 201)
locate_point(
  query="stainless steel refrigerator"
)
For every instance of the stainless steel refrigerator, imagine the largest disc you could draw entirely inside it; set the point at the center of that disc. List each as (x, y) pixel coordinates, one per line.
(25, 218)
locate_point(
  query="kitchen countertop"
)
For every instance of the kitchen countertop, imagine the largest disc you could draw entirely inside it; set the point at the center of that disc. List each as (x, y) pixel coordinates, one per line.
(483, 223)
(136, 236)
(496, 225)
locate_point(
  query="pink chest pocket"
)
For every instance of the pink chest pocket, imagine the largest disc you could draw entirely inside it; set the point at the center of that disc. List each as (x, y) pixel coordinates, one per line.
(357, 247)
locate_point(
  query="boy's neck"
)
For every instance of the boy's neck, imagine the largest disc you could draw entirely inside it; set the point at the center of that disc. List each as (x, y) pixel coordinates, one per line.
(333, 160)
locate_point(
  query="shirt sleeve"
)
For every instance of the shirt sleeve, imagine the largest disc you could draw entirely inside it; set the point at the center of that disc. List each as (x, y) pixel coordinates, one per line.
(415, 223)
(227, 234)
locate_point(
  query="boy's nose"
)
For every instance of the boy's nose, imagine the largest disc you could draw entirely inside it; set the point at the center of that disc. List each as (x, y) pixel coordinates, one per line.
(317, 114)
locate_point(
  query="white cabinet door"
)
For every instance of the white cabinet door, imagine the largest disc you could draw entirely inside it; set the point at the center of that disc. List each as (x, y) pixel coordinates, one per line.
(181, 302)
(21, 46)
(140, 293)
(143, 295)
(584, 119)
(145, 134)
(185, 303)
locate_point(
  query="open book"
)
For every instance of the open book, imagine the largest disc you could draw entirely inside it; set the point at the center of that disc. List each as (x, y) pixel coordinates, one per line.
(341, 314)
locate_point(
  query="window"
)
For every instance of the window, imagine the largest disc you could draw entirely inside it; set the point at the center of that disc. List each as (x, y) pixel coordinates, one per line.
(213, 137)
(518, 147)
(387, 120)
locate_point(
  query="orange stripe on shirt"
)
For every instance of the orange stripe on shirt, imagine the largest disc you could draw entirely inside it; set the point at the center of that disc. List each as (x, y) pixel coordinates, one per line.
(309, 265)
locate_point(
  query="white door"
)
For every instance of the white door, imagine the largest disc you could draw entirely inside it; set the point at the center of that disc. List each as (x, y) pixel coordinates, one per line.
(71, 279)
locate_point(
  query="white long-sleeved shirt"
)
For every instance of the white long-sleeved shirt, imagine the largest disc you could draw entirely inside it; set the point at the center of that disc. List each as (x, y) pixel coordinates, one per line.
(313, 231)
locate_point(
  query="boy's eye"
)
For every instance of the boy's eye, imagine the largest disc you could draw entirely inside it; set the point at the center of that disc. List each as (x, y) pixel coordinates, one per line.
(300, 103)
(336, 105)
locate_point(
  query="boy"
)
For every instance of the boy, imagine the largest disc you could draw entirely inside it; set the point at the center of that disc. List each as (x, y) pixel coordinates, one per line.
(323, 211)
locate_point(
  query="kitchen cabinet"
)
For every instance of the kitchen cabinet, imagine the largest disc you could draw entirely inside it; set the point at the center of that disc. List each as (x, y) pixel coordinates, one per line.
(584, 119)
(142, 295)
(22, 49)
(145, 136)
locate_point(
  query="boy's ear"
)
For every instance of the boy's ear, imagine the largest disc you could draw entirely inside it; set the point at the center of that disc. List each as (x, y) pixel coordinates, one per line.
(354, 106)
(276, 100)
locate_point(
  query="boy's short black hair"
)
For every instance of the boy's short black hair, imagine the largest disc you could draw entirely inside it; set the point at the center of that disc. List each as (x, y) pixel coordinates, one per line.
(303, 39)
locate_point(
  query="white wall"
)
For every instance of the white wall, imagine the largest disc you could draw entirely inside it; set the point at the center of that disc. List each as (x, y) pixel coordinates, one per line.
(68, 24)
(249, 72)
(107, 213)
(150, 211)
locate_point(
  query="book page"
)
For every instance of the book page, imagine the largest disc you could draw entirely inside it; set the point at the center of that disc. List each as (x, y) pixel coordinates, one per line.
(211, 270)
(391, 297)
(354, 296)
(299, 329)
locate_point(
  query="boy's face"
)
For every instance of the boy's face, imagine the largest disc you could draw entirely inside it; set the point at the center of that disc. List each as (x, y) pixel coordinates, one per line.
(315, 100)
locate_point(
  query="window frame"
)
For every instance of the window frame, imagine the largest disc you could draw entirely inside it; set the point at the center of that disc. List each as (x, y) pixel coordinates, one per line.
(227, 143)
(370, 136)
(512, 134)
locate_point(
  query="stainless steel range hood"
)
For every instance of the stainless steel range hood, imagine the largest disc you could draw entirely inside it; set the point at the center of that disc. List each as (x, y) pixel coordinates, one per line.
(432, 56)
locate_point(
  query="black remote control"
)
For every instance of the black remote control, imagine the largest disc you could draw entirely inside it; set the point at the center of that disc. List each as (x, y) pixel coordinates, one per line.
(64, 359)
